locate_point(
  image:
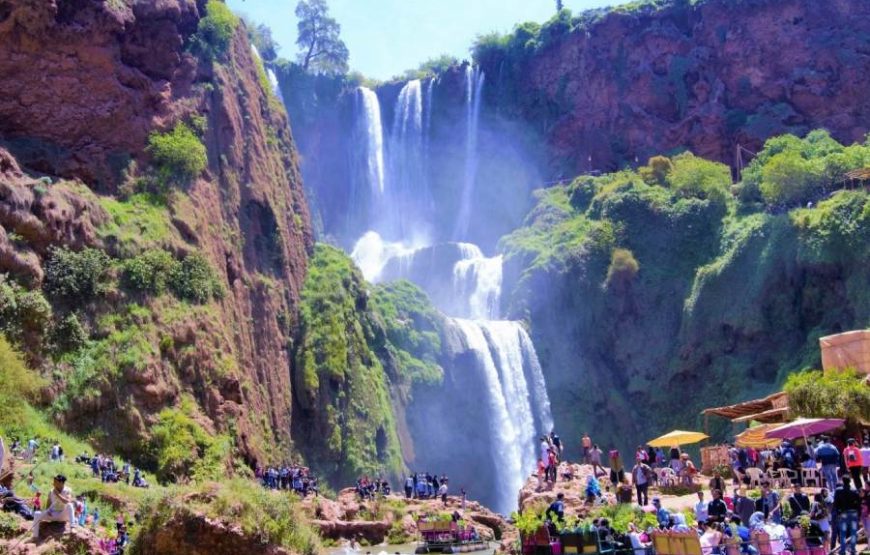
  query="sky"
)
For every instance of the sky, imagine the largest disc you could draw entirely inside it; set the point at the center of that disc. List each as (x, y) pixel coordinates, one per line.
(386, 37)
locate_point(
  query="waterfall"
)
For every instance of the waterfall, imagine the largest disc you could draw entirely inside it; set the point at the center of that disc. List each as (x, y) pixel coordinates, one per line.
(270, 75)
(370, 122)
(474, 78)
(371, 253)
(477, 280)
(409, 196)
(502, 360)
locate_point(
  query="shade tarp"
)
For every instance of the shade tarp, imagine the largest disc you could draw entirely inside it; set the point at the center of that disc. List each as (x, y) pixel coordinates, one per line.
(756, 438)
(677, 437)
(803, 427)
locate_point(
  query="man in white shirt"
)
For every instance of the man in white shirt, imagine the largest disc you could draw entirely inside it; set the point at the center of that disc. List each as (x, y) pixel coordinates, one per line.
(60, 506)
(701, 509)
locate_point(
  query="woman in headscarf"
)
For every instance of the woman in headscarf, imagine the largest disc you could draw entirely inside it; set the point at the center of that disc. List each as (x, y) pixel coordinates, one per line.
(679, 523)
(593, 489)
(756, 521)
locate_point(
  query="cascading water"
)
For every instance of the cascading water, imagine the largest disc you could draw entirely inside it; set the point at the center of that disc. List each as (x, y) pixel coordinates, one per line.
(474, 79)
(270, 75)
(494, 367)
(370, 126)
(410, 197)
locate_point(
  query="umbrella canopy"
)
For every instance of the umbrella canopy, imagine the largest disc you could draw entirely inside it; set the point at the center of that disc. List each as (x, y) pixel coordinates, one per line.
(803, 427)
(755, 437)
(677, 437)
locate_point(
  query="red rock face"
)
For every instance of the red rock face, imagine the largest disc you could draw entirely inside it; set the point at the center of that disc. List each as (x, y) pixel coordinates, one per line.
(706, 78)
(85, 83)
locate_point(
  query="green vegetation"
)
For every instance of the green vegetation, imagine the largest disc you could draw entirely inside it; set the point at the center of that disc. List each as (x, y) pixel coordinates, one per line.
(321, 49)
(77, 276)
(338, 371)
(149, 272)
(790, 171)
(413, 329)
(269, 517)
(181, 449)
(193, 279)
(20, 385)
(215, 31)
(815, 394)
(728, 294)
(179, 156)
(138, 223)
(24, 315)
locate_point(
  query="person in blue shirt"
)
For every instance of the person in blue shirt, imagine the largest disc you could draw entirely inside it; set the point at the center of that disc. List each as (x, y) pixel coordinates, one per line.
(662, 515)
(829, 457)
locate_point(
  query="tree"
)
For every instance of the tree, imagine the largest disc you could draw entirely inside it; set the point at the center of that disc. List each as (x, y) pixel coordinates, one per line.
(559, 5)
(322, 50)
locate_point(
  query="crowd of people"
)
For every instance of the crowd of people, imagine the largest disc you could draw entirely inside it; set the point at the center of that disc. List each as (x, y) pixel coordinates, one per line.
(830, 516)
(288, 477)
(427, 486)
(371, 489)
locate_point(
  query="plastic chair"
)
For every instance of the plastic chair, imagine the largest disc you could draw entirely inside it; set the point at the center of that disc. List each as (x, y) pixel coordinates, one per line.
(787, 477)
(755, 477)
(810, 475)
(668, 477)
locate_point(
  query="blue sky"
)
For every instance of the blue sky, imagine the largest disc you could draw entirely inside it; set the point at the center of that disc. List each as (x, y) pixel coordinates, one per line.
(386, 37)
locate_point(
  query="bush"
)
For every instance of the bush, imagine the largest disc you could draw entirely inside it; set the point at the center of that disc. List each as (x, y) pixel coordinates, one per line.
(695, 177)
(177, 443)
(815, 394)
(179, 155)
(150, 271)
(76, 276)
(68, 334)
(623, 267)
(195, 280)
(656, 171)
(215, 30)
(789, 179)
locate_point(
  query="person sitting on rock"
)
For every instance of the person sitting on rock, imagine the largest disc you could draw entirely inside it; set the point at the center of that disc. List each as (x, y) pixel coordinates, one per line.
(60, 506)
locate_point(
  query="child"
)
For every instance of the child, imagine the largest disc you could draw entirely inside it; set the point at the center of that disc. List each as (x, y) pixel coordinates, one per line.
(37, 502)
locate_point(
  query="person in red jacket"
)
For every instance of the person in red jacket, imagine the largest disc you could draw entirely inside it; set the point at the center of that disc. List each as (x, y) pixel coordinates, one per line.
(852, 456)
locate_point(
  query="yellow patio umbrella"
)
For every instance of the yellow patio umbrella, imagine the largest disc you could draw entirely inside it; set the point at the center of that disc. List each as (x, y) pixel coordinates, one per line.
(755, 437)
(677, 437)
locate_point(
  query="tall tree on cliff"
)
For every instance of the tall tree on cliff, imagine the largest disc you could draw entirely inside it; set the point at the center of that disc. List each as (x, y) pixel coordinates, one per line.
(559, 5)
(322, 50)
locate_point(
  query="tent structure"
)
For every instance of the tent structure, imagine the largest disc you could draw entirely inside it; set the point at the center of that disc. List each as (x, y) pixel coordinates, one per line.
(755, 437)
(773, 408)
(804, 427)
(677, 437)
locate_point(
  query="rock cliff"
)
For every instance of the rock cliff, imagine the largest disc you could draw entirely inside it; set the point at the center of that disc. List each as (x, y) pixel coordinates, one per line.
(611, 85)
(95, 84)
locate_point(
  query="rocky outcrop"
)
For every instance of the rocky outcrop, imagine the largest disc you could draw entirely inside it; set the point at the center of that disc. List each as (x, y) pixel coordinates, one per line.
(196, 534)
(348, 518)
(635, 82)
(93, 80)
(55, 539)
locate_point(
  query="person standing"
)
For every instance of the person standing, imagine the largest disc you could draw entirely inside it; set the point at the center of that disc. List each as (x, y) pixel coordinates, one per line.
(641, 474)
(865, 460)
(60, 506)
(847, 504)
(701, 509)
(557, 442)
(617, 471)
(829, 457)
(768, 504)
(586, 445)
(595, 460)
(852, 456)
(743, 506)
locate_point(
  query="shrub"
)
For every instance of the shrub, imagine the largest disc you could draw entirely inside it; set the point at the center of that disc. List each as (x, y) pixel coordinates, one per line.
(177, 443)
(215, 30)
(815, 394)
(179, 155)
(695, 177)
(68, 334)
(150, 271)
(195, 280)
(76, 276)
(789, 179)
(656, 171)
(623, 267)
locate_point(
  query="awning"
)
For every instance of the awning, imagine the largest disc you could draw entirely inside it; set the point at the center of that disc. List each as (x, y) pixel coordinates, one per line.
(772, 416)
(776, 401)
